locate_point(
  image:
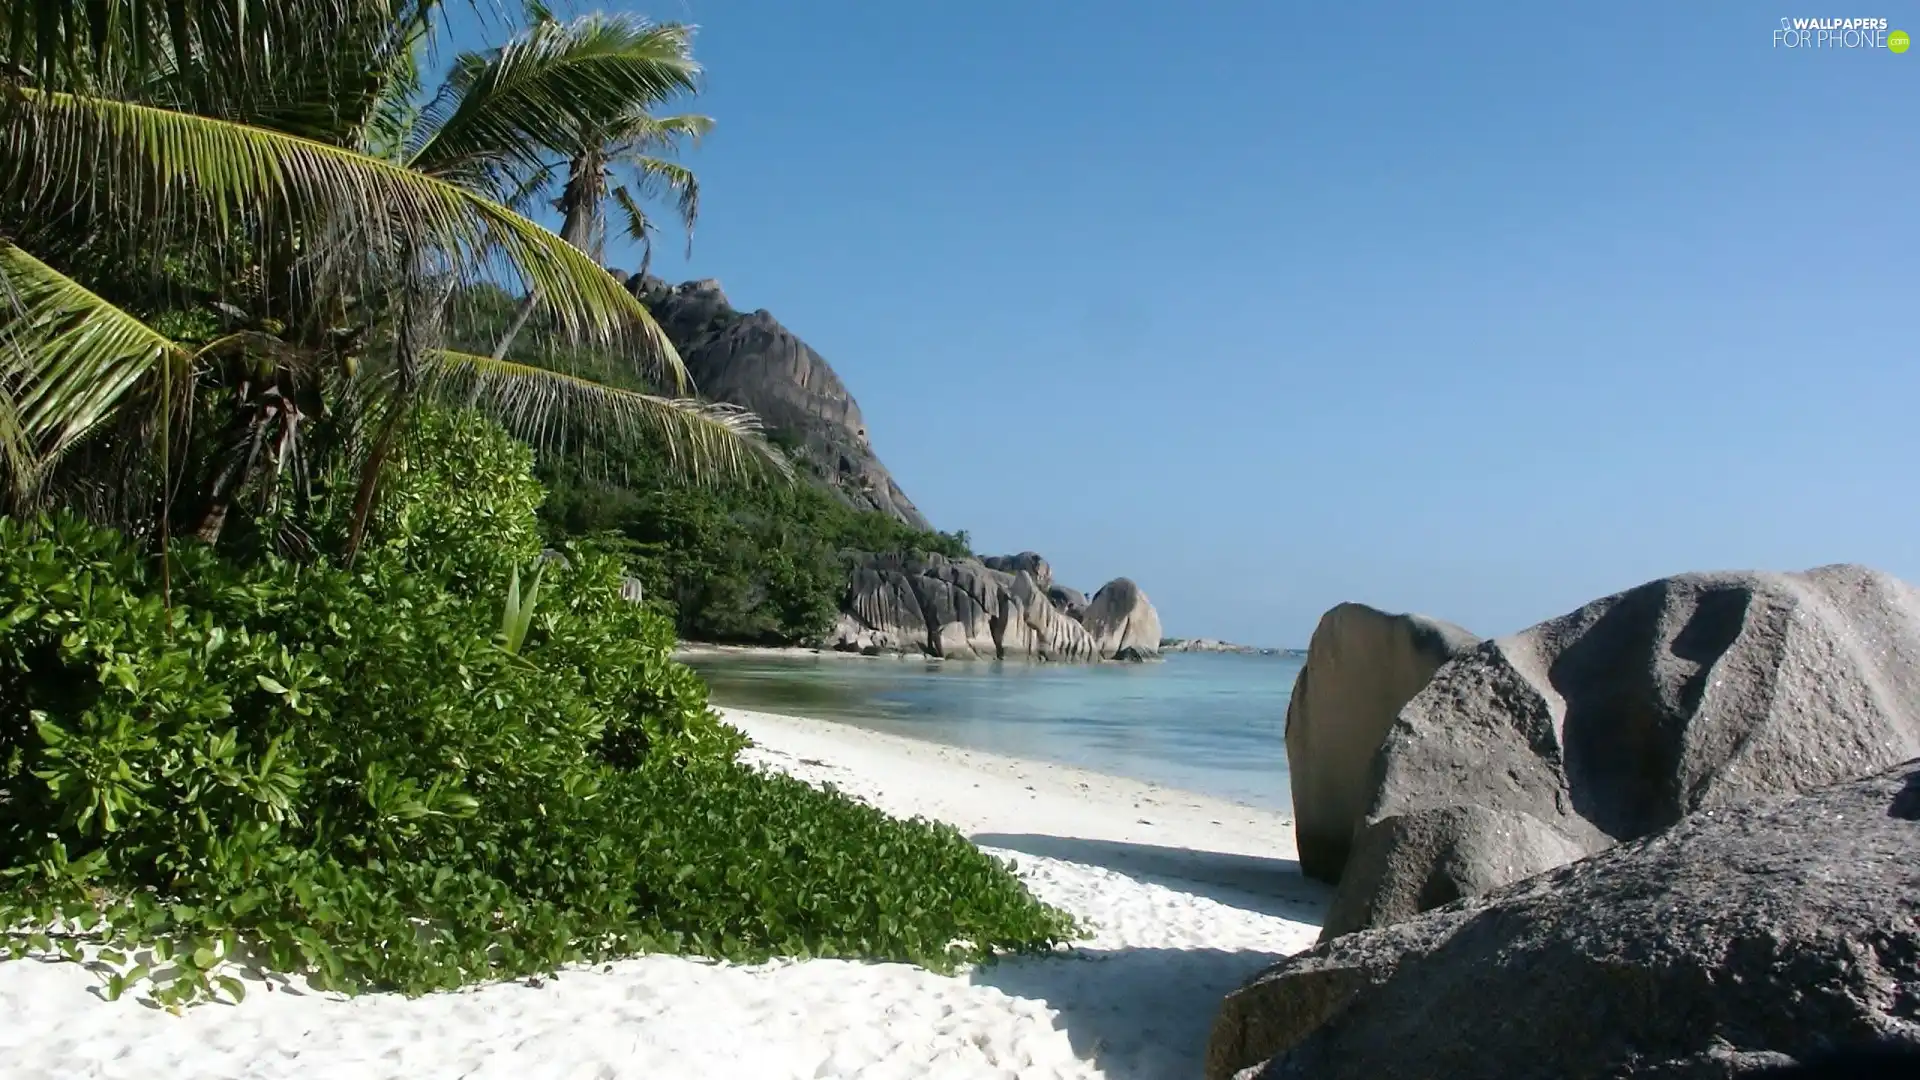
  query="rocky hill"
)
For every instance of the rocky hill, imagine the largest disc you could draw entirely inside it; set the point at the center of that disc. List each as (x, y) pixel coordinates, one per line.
(962, 608)
(749, 359)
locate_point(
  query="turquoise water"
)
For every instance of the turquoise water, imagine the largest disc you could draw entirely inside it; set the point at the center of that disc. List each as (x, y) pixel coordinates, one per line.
(1199, 722)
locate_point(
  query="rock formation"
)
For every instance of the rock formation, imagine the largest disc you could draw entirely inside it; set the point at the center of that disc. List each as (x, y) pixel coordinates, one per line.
(752, 361)
(1688, 694)
(991, 608)
(1030, 561)
(1362, 666)
(964, 608)
(1215, 645)
(1069, 600)
(1123, 622)
(1733, 941)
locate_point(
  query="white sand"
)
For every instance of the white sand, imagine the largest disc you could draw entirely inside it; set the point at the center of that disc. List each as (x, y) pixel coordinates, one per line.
(1190, 896)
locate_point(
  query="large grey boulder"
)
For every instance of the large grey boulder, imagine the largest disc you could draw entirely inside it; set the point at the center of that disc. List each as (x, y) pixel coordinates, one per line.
(1687, 694)
(1744, 936)
(1122, 622)
(953, 608)
(1362, 665)
(751, 360)
(1030, 561)
(1071, 601)
(1031, 628)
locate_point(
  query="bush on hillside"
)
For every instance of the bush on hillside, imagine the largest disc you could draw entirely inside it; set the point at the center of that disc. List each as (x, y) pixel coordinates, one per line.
(752, 562)
(344, 772)
(745, 560)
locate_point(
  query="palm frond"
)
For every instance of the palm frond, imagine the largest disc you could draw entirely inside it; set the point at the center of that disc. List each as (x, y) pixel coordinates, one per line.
(644, 131)
(640, 227)
(74, 357)
(511, 106)
(540, 405)
(310, 67)
(159, 170)
(655, 177)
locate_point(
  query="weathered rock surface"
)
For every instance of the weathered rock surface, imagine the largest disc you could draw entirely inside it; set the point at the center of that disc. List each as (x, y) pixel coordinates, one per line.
(1687, 694)
(954, 608)
(1123, 622)
(1744, 936)
(1030, 561)
(752, 361)
(1362, 666)
(1214, 645)
(948, 608)
(1069, 600)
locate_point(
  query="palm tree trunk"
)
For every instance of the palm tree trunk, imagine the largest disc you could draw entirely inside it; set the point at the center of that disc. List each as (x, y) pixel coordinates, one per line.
(231, 475)
(519, 322)
(579, 203)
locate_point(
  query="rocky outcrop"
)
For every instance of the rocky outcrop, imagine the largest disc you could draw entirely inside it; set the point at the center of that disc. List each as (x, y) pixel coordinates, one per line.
(1030, 561)
(750, 360)
(1688, 694)
(1362, 665)
(1123, 622)
(1733, 941)
(976, 609)
(954, 608)
(1071, 601)
(945, 608)
(1215, 645)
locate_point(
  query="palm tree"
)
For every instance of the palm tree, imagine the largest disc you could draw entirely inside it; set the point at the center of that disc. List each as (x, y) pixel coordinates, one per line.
(243, 196)
(623, 157)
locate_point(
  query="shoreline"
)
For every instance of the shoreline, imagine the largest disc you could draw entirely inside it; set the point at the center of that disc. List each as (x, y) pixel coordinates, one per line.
(1186, 897)
(1262, 803)
(709, 648)
(1096, 806)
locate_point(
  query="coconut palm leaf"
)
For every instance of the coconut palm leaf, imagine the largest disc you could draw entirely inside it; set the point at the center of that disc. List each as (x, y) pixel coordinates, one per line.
(499, 110)
(178, 171)
(307, 67)
(654, 177)
(640, 227)
(75, 357)
(541, 405)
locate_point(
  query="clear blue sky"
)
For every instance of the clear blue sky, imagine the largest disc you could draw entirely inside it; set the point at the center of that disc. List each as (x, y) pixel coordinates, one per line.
(1477, 310)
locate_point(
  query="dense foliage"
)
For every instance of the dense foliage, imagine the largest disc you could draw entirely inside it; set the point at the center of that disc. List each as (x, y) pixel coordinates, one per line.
(734, 561)
(347, 773)
(747, 558)
(232, 236)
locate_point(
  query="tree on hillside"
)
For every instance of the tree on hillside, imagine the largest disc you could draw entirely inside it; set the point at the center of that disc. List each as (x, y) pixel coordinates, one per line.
(623, 157)
(230, 233)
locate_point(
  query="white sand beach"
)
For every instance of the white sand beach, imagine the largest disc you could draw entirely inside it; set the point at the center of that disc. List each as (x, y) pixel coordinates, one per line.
(1188, 895)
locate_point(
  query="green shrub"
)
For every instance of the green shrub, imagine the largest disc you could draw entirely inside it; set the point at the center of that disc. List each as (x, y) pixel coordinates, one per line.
(344, 771)
(461, 501)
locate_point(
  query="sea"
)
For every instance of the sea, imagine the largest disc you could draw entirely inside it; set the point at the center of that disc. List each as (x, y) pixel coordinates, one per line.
(1203, 722)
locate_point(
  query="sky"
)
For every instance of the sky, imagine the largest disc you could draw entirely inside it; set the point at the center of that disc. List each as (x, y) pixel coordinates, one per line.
(1481, 311)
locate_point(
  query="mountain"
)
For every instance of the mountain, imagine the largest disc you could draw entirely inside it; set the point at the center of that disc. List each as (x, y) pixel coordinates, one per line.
(749, 359)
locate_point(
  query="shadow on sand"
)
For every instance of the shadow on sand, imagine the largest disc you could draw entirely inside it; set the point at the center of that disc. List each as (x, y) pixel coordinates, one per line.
(1145, 1014)
(1248, 882)
(1140, 1014)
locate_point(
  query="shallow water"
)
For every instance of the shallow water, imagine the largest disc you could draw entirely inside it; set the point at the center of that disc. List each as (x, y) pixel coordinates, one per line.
(1206, 723)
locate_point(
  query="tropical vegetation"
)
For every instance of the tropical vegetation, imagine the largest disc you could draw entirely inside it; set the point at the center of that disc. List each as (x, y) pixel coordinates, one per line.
(283, 670)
